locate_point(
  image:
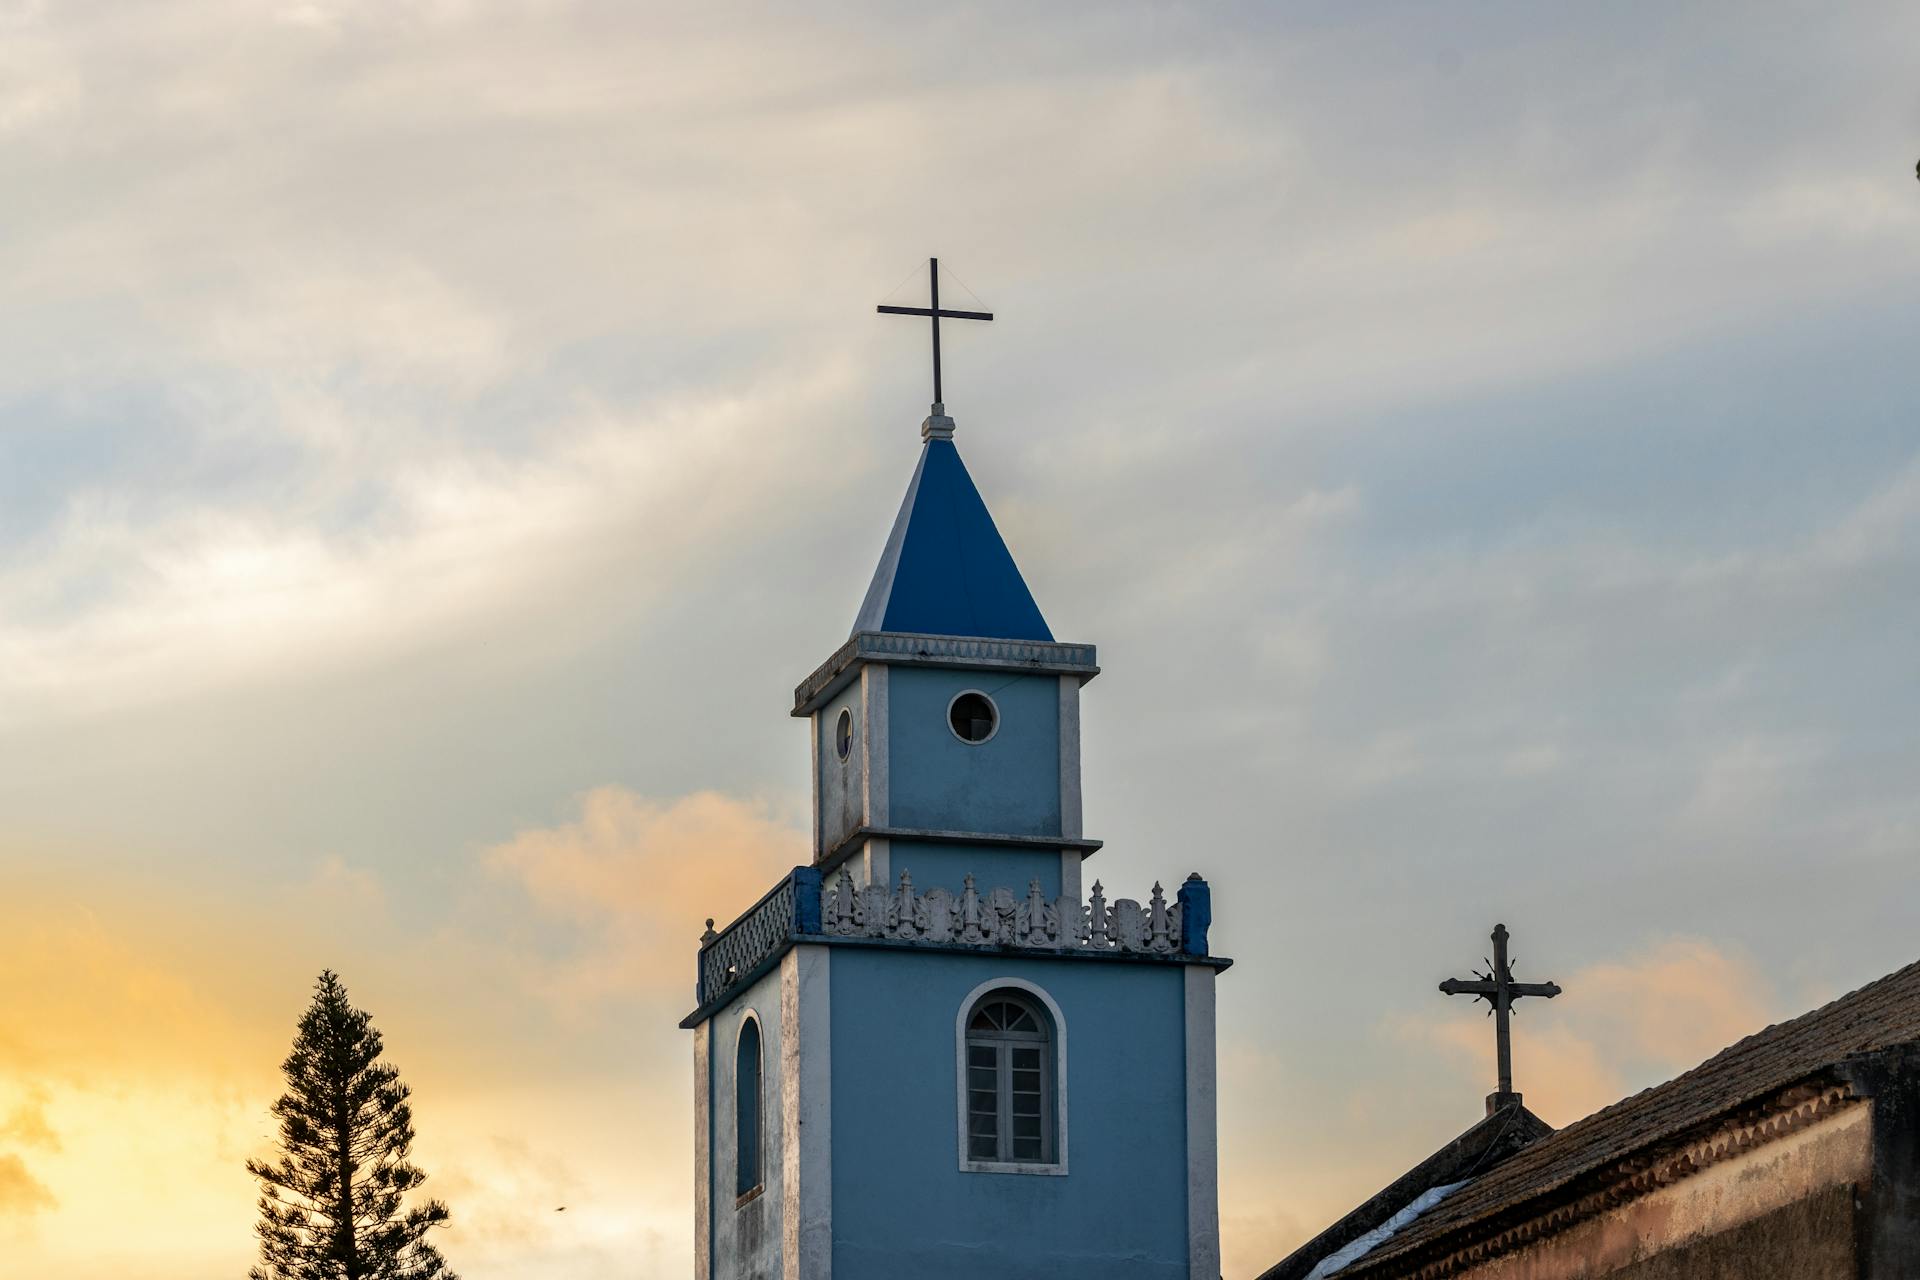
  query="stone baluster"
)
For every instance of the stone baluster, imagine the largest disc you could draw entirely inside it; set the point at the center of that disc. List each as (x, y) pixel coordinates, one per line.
(903, 913)
(1157, 938)
(972, 924)
(1035, 934)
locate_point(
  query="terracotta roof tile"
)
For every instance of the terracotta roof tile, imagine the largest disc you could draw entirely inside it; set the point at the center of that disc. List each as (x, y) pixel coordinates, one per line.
(1877, 1016)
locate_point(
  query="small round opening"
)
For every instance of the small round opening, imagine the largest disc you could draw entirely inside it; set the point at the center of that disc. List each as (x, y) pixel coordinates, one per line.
(843, 734)
(973, 717)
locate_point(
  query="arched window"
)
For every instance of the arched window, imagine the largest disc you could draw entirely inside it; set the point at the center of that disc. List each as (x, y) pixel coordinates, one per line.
(746, 1080)
(1010, 1103)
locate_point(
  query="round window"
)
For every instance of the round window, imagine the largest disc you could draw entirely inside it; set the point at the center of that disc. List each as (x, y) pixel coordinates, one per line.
(973, 716)
(843, 734)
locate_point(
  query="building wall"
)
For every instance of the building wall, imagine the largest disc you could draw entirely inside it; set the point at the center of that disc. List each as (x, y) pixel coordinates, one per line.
(902, 1206)
(991, 866)
(1737, 1213)
(746, 1236)
(1007, 785)
(1809, 1239)
(840, 782)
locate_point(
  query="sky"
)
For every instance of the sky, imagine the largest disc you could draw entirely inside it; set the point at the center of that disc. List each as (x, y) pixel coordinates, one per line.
(435, 438)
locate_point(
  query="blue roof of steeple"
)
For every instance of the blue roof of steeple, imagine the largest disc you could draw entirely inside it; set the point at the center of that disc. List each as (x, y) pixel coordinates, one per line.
(946, 570)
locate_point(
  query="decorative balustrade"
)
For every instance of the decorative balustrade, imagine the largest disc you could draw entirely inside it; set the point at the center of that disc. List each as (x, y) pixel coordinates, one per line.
(997, 918)
(800, 907)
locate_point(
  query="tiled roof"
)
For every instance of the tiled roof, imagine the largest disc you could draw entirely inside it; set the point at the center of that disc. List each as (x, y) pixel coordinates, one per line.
(1487, 1143)
(1877, 1016)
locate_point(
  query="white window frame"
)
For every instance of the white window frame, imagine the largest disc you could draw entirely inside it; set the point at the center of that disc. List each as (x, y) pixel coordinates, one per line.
(996, 717)
(1057, 1167)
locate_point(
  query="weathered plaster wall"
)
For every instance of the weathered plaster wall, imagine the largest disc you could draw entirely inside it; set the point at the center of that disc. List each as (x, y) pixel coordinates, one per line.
(1810, 1239)
(841, 782)
(1833, 1153)
(1009, 784)
(901, 1204)
(746, 1237)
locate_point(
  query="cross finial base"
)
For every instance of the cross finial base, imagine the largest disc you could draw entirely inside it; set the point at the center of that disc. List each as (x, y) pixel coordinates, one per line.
(1498, 1101)
(938, 426)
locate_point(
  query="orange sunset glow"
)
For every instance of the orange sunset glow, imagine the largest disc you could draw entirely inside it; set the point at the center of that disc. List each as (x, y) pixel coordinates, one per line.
(436, 438)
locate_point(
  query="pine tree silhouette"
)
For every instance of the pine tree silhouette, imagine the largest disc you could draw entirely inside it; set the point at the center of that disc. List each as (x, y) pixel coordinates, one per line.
(330, 1209)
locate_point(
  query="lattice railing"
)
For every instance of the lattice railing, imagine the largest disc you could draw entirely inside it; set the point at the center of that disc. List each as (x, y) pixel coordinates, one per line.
(727, 957)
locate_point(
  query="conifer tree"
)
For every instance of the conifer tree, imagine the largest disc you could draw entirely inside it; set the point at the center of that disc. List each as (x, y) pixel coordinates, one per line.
(330, 1209)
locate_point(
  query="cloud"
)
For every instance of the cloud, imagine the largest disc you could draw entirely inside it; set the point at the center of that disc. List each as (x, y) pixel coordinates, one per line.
(1416, 1081)
(21, 1194)
(174, 600)
(27, 1124)
(1617, 1026)
(638, 876)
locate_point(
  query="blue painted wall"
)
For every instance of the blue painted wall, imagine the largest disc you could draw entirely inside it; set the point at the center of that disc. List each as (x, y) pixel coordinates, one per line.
(1008, 785)
(993, 867)
(902, 1206)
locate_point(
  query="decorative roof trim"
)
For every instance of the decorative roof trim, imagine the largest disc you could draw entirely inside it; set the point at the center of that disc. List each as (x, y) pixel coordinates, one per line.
(1786, 1112)
(965, 652)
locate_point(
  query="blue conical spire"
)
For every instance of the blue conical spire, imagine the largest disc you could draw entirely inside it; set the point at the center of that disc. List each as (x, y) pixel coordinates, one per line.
(945, 570)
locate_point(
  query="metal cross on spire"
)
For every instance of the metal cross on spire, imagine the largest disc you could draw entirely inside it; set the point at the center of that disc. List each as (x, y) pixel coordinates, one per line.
(1497, 987)
(934, 312)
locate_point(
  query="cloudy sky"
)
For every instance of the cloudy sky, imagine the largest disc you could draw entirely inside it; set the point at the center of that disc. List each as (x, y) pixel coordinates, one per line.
(435, 438)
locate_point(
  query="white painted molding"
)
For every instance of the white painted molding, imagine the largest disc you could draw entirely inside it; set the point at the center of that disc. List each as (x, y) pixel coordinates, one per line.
(1028, 657)
(1058, 1168)
(1070, 815)
(1203, 1132)
(819, 791)
(806, 1114)
(877, 775)
(702, 1153)
(878, 859)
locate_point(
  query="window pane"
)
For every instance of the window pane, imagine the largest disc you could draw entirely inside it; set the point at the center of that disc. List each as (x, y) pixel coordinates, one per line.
(746, 1113)
(1007, 1079)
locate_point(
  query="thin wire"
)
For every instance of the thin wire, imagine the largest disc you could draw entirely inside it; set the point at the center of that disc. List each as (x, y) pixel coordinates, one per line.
(903, 284)
(970, 293)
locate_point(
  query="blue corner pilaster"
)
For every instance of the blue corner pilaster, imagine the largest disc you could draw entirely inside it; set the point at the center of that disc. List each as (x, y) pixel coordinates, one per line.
(1196, 913)
(806, 900)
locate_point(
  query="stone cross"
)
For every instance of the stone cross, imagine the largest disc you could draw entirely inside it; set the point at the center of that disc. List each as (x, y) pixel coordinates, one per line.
(935, 314)
(1497, 987)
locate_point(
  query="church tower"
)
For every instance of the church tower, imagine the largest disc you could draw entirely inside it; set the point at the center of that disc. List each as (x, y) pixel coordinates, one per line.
(935, 1052)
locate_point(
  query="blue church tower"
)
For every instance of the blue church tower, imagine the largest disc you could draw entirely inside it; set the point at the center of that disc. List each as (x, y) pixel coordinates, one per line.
(936, 1052)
